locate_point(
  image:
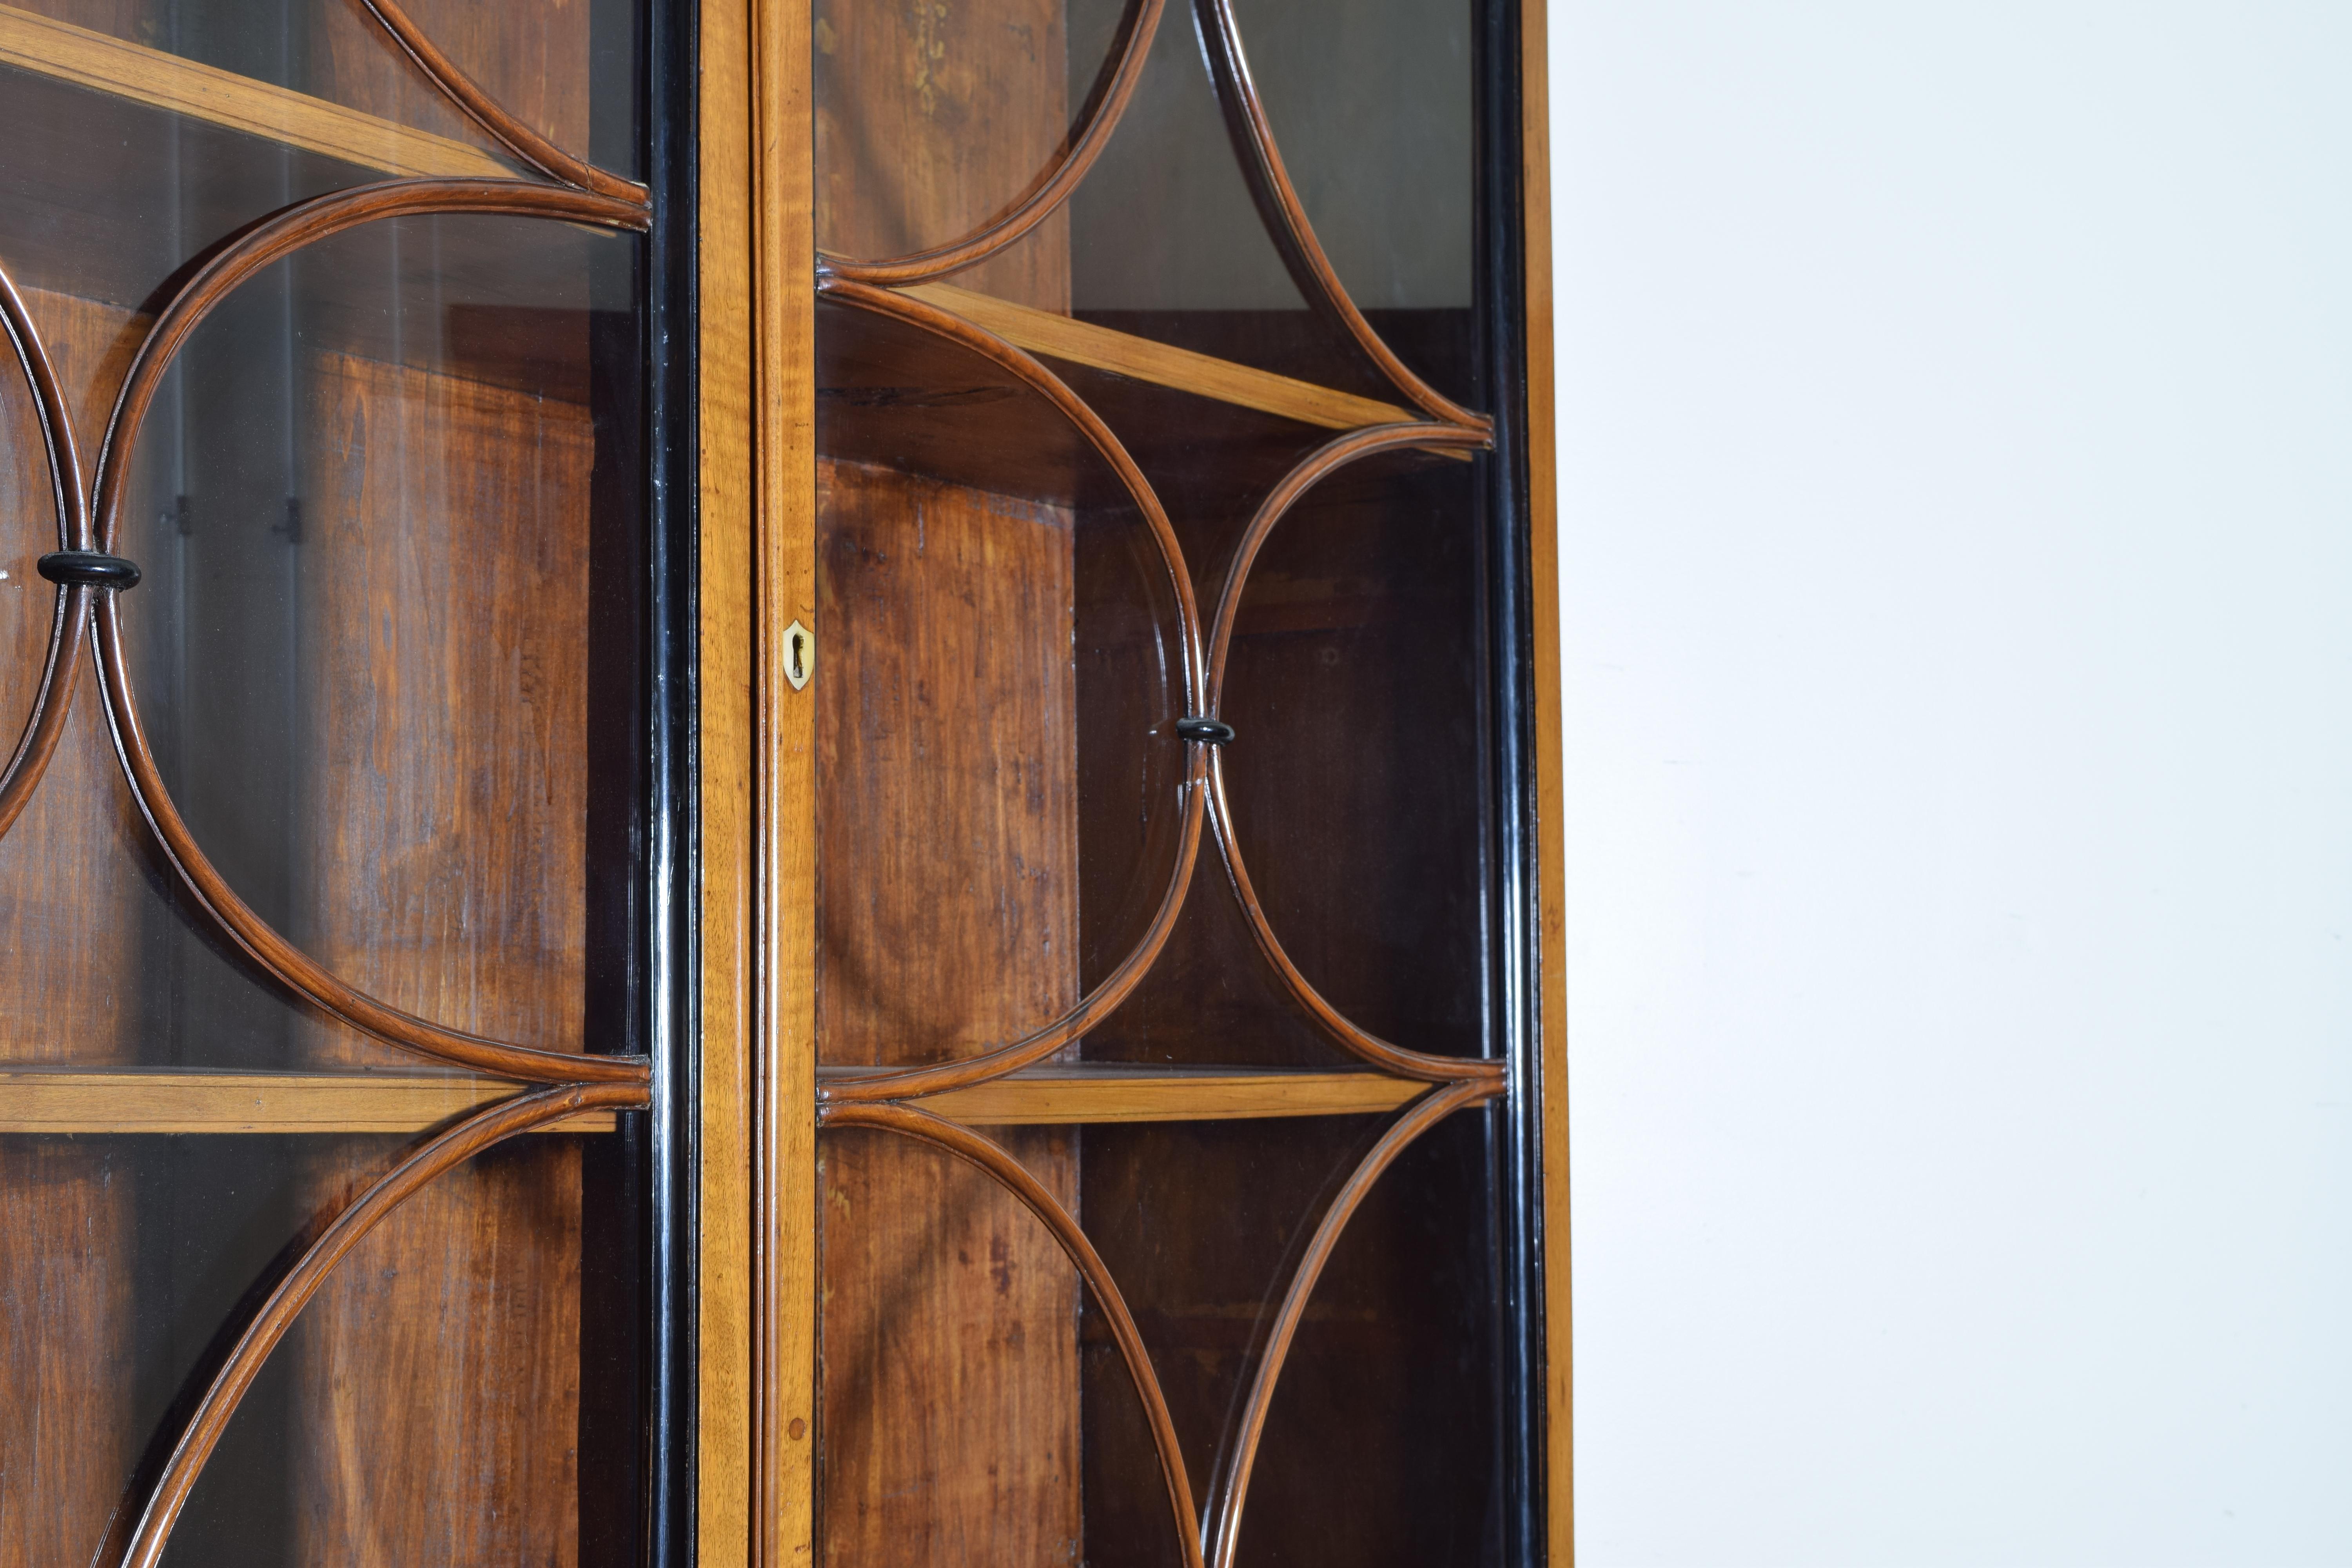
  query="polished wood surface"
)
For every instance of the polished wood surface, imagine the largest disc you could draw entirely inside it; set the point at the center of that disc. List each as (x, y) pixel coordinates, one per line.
(104, 63)
(1160, 365)
(1076, 1093)
(1550, 803)
(438, 1372)
(77, 1099)
(785, 573)
(730, 1252)
(66, 1332)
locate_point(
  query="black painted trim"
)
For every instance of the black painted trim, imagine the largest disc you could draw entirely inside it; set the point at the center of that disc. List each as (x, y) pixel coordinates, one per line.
(1515, 1126)
(673, 850)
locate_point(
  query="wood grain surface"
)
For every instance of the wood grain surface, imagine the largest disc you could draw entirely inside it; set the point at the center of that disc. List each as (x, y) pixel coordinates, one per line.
(783, 464)
(104, 63)
(947, 828)
(1164, 364)
(60, 1099)
(437, 1373)
(727, 1402)
(1076, 1093)
(931, 118)
(66, 1438)
(69, 919)
(1550, 803)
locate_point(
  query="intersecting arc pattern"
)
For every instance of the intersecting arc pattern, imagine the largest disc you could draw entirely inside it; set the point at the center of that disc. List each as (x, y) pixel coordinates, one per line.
(1114, 987)
(277, 1314)
(486, 112)
(296, 227)
(880, 1099)
(1122, 69)
(61, 661)
(89, 521)
(1222, 1522)
(1285, 216)
(1318, 466)
(992, 1159)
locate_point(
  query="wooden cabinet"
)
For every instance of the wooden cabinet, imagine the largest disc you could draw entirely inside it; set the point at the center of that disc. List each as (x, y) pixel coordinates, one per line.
(783, 782)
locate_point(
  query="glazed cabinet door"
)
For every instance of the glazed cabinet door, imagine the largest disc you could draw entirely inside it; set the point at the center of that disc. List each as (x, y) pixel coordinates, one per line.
(1166, 1019)
(329, 888)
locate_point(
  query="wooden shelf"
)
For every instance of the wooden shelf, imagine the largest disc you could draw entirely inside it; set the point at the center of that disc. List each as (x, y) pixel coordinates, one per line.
(59, 1099)
(120, 163)
(107, 64)
(69, 1100)
(1208, 432)
(1160, 365)
(1105, 1092)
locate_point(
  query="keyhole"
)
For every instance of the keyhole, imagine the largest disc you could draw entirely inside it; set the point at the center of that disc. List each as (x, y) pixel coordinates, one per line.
(798, 645)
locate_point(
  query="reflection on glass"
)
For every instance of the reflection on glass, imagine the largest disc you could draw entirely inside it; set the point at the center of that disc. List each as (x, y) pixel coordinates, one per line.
(388, 651)
(28, 528)
(933, 121)
(1000, 778)
(377, 494)
(430, 1394)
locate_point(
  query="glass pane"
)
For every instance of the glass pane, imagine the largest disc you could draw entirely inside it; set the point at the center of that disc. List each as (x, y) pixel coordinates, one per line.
(1001, 770)
(429, 1398)
(1354, 684)
(389, 509)
(567, 72)
(977, 1402)
(1371, 108)
(105, 195)
(933, 121)
(1166, 240)
(28, 528)
(379, 489)
(968, 693)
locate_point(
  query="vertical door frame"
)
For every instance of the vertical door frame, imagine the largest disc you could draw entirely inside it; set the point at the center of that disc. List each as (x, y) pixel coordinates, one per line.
(1550, 933)
(758, 575)
(757, 897)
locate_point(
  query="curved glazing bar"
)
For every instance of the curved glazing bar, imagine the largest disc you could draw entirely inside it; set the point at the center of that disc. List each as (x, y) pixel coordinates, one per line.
(1098, 1004)
(1285, 216)
(1100, 116)
(1223, 1519)
(296, 227)
(277, 1314)
(511, 134)
(52, 698)
(987, 1157)
(1332, 456)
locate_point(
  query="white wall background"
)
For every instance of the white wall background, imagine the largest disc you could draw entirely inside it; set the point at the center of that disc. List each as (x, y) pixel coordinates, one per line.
(1956, 439)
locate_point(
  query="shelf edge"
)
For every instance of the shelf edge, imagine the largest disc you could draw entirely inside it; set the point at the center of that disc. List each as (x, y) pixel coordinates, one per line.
(60, 1101)
(1163, 364)
(107, 64)
(1063, 1097)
